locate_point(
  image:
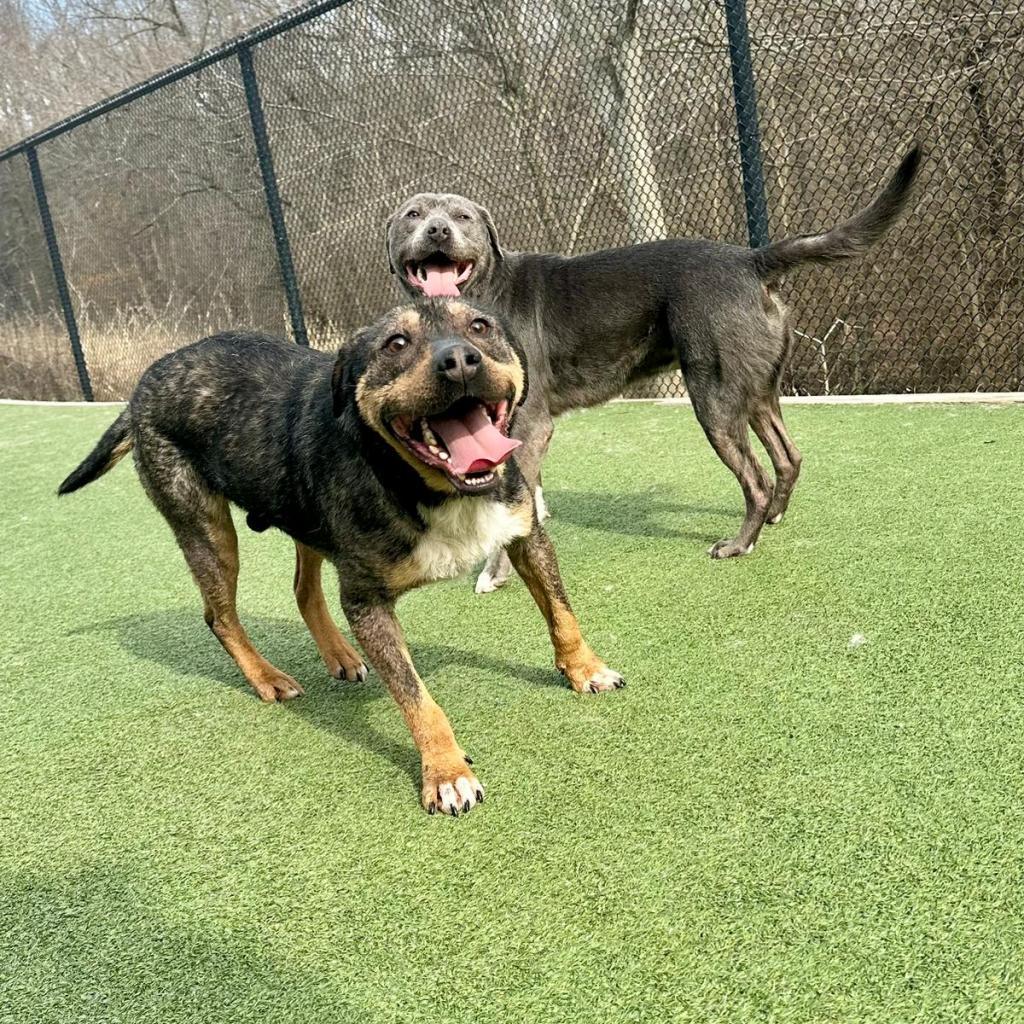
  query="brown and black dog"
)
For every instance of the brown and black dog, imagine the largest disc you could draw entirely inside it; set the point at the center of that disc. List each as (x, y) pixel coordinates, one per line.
(391, 461)
(591, 325)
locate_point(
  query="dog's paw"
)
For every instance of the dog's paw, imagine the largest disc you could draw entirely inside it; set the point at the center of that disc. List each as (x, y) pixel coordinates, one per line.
(592, 676)
(495, 573)
(486, 583)
(450, 787)
(273, 685)
(345, 663)
(729, 548)
(774, 518)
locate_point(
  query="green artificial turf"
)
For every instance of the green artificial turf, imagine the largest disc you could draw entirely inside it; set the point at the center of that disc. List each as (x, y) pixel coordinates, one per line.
(771, 823)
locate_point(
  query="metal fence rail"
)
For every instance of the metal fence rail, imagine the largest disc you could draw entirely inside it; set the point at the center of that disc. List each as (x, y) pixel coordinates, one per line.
(250, 187)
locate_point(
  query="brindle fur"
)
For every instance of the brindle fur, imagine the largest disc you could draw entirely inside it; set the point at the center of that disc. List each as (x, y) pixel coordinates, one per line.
(299, 440)
(593, 324)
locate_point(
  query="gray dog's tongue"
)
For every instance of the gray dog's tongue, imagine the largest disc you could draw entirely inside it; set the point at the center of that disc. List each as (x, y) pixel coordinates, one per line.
(440, 280)
(474, 443)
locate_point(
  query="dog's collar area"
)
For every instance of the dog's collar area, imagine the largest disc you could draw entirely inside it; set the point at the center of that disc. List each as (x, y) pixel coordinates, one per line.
(438, 276)
(467, 441)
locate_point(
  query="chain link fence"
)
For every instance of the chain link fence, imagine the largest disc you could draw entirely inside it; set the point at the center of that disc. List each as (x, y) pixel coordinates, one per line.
(251, 187)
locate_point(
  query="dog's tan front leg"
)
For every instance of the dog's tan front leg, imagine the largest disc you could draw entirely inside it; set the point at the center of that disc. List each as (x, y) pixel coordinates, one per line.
(534, 559)
(448, 784)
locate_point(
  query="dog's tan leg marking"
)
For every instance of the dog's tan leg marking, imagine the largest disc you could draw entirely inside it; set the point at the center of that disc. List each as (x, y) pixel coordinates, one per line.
(340, 657)
(448, 785)
(213, 559)
(534, 559)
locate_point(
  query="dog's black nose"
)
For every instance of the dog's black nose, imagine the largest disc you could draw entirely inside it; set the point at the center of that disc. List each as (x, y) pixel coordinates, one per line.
(457, 360)
(438, 230)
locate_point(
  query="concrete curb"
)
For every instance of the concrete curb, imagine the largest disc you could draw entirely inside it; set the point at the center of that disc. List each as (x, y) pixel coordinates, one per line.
(936, 398)
(64, 405)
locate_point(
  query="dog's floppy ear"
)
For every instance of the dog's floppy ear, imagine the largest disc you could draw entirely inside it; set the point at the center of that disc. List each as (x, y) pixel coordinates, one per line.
(342, 384)
(387, 241)
(348, 368)
(492, 231)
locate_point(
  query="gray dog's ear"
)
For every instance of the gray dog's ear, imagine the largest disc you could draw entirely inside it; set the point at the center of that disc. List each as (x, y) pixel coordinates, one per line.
(387, 241)
(492, 231)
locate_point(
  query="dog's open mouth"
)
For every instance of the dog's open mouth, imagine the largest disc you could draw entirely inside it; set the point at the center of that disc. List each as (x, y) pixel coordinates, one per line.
(437, 275)
(467, 441)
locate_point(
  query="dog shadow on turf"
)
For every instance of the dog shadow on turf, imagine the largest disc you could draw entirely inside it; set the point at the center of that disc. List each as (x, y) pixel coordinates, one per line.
(632, 515)
(178, 640)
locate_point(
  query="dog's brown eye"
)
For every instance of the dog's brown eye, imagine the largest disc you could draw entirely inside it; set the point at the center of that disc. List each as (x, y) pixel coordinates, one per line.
(413, 213)
(479, 326)
(395, 343)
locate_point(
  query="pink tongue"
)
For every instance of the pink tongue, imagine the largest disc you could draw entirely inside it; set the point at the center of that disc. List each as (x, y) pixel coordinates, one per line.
(474, 443)
(440, 279)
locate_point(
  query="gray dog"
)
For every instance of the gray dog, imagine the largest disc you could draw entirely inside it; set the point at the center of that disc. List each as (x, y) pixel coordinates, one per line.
(593, 324)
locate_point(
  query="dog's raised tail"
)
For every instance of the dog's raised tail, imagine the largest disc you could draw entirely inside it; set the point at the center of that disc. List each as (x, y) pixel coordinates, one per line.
(112, 447)
(852, 238)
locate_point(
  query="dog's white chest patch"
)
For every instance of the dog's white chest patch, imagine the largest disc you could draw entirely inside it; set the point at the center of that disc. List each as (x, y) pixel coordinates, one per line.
(462, 532)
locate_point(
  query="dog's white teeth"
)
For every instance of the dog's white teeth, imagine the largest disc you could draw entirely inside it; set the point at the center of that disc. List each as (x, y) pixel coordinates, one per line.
(476, 480)
(428, 434)
(442, 455)
(433, 449)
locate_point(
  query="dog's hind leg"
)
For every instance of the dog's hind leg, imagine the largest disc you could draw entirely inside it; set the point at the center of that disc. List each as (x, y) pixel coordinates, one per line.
(448, 785)
(498, 567)
(341, 659)
(766, 421)
(725, 423)
(536, 438)
(211, 550)
(201, 521)
(543, 514)
(495, 573)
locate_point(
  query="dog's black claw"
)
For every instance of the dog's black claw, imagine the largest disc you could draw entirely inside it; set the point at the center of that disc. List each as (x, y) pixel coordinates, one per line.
(593, 687)
(455, 810)
(432, 808)
(467, 758)
(465, 807)
(620, 684)
(479, 796)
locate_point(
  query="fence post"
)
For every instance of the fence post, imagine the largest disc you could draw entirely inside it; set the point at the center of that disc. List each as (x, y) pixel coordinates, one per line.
(266, 162)
(57, 265)
(745, 95)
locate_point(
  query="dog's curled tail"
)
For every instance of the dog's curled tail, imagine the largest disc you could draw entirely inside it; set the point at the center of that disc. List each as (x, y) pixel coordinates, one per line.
(112, 447)
(852, 238)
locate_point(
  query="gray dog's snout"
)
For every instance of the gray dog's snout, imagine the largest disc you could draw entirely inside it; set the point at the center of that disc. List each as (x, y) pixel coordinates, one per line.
(457, 361)
(438, 230)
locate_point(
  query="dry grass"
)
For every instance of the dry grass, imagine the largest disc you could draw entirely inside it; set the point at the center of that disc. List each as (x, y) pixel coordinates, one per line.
(36, 360)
